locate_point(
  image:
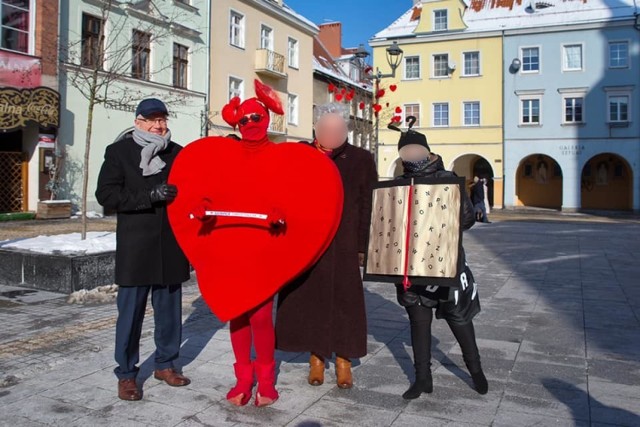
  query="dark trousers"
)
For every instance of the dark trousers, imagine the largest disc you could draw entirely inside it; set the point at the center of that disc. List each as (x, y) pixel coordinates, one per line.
(420, 318)
(167, 313)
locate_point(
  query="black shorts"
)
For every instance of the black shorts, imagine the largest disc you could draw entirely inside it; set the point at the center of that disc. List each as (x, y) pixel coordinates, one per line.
(455, 305)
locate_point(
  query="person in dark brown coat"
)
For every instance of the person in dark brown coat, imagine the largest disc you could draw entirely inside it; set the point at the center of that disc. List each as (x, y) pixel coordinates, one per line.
(323, 311)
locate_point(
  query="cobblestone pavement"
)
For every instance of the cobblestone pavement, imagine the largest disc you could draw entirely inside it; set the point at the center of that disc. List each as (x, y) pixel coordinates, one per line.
(559, 335)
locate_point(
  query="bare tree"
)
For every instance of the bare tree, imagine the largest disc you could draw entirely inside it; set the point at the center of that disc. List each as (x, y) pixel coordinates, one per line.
(100, 65)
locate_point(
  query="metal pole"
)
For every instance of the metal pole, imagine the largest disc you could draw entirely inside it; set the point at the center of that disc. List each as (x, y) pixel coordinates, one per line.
(377, 114)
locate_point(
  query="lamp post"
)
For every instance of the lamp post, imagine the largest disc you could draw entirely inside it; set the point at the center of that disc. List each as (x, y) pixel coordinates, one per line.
(394, 58)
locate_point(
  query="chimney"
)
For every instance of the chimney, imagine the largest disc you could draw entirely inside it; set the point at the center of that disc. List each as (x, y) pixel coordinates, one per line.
(331, 37)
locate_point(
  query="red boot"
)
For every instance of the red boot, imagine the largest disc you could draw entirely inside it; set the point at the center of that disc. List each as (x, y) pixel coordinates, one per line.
(240, 395)
(266, 374)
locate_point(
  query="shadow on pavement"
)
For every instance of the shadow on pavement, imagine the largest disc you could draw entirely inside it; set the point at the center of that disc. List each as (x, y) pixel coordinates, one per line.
(197, 330)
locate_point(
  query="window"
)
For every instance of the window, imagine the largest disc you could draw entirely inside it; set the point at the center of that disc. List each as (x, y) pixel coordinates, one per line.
(180, 65)
(412, 110)
(92, 42)
(141, 52)
(293, 53)
(440, 20)
(441, 114)
(412, 67)
(572, 57)
(236, 29)
(236, 88)
(471, 64)
(14, 34)
(530, 60)
(441, 65)
(292, 116)
(619, 54)
(573, 109)
(471, 111)
(266, 37)
(618, 108)
(530, 111)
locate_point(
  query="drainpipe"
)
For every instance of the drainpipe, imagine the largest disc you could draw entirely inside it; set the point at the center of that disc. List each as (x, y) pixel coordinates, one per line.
(504, 178)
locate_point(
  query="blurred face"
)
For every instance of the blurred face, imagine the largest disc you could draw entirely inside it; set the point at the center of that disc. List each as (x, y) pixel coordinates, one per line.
(413, 153)
(331, 131)
(155, 123)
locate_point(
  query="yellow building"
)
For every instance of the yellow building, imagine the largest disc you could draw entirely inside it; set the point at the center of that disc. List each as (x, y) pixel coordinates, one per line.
(267, 40)
(450, 78)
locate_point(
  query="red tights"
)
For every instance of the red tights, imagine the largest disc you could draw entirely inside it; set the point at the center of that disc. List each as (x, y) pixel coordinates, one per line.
(256, 324)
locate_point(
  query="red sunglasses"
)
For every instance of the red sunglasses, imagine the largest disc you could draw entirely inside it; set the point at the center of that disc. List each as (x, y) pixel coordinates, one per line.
(253, 117)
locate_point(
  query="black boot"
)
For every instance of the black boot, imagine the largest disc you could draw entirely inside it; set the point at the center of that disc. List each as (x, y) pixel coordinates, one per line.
(423, 384)
(480, 382)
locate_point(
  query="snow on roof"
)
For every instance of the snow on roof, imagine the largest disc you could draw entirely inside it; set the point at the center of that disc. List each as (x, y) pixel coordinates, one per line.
(325, 64)
(491, 15)
(402, 26)
(487, 15)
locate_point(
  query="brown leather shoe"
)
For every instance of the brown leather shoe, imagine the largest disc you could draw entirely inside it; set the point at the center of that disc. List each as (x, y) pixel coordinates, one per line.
(316, 370)
(128, 389)
(343, 372)
(171, 377)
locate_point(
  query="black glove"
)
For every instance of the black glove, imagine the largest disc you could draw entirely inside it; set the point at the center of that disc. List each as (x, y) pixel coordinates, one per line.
(163, 193)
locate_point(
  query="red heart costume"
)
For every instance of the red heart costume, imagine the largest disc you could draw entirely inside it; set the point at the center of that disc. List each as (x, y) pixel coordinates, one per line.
(251, 216)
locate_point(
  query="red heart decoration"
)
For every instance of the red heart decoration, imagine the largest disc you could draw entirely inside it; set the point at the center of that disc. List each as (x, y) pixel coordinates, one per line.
(331, 87)
(338, 97)
(349, 96)
(398, 110)
(377, 108)
(361, 105)
(393, 88)
(380, 93)
(239, 262)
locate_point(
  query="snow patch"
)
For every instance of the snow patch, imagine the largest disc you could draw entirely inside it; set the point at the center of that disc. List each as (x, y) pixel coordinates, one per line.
(90, 215)
(99, 295)
(96, 242)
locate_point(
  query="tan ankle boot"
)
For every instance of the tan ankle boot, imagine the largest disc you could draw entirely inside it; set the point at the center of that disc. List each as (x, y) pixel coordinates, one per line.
(316, 369)
(343, 372)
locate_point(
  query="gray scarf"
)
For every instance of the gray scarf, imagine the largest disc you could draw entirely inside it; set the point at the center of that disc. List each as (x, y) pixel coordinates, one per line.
(151, 145)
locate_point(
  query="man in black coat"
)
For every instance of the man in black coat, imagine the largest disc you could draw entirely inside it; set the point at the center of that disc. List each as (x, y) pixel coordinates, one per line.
(133, 182)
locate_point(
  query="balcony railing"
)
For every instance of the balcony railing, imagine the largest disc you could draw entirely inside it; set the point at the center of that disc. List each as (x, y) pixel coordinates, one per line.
(277, 124)
(270, 63)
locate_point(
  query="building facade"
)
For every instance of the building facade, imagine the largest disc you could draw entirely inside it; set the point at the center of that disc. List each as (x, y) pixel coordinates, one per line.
(137, 50)
(572, 138)
(265, 40)
(29, 102)
(450, 79)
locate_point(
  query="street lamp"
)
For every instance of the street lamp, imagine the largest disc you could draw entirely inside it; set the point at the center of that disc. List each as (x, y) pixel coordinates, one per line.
(394, 58)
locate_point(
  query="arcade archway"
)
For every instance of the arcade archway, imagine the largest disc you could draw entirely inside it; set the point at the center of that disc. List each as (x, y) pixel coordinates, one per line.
(539, 182)
(472, 165)
(607, 183)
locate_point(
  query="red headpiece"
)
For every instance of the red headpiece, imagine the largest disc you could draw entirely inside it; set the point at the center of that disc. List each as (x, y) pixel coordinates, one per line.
(266, 100)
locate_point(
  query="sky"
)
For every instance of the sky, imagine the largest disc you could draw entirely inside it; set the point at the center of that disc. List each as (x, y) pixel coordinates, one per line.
(360, 19)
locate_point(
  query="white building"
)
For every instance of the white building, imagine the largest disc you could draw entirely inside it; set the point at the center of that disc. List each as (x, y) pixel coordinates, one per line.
(151, 49)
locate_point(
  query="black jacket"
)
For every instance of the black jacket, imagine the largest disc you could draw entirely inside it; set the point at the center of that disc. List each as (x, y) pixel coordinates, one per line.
(477, 193)
(420, 294)
(147, 252)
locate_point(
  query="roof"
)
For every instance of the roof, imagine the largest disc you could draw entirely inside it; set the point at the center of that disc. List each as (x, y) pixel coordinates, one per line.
(492, 15)
(487, 15)
(401, 27)
(325, 64)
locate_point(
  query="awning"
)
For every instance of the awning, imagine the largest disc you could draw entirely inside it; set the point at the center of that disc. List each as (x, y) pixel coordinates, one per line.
(20, 106)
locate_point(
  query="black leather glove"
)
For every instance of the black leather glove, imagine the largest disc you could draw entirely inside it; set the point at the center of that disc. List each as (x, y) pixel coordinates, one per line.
(163, 193)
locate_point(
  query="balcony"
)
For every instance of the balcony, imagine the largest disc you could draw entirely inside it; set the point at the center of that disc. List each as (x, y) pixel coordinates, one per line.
(277, 124)
(270, 63)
